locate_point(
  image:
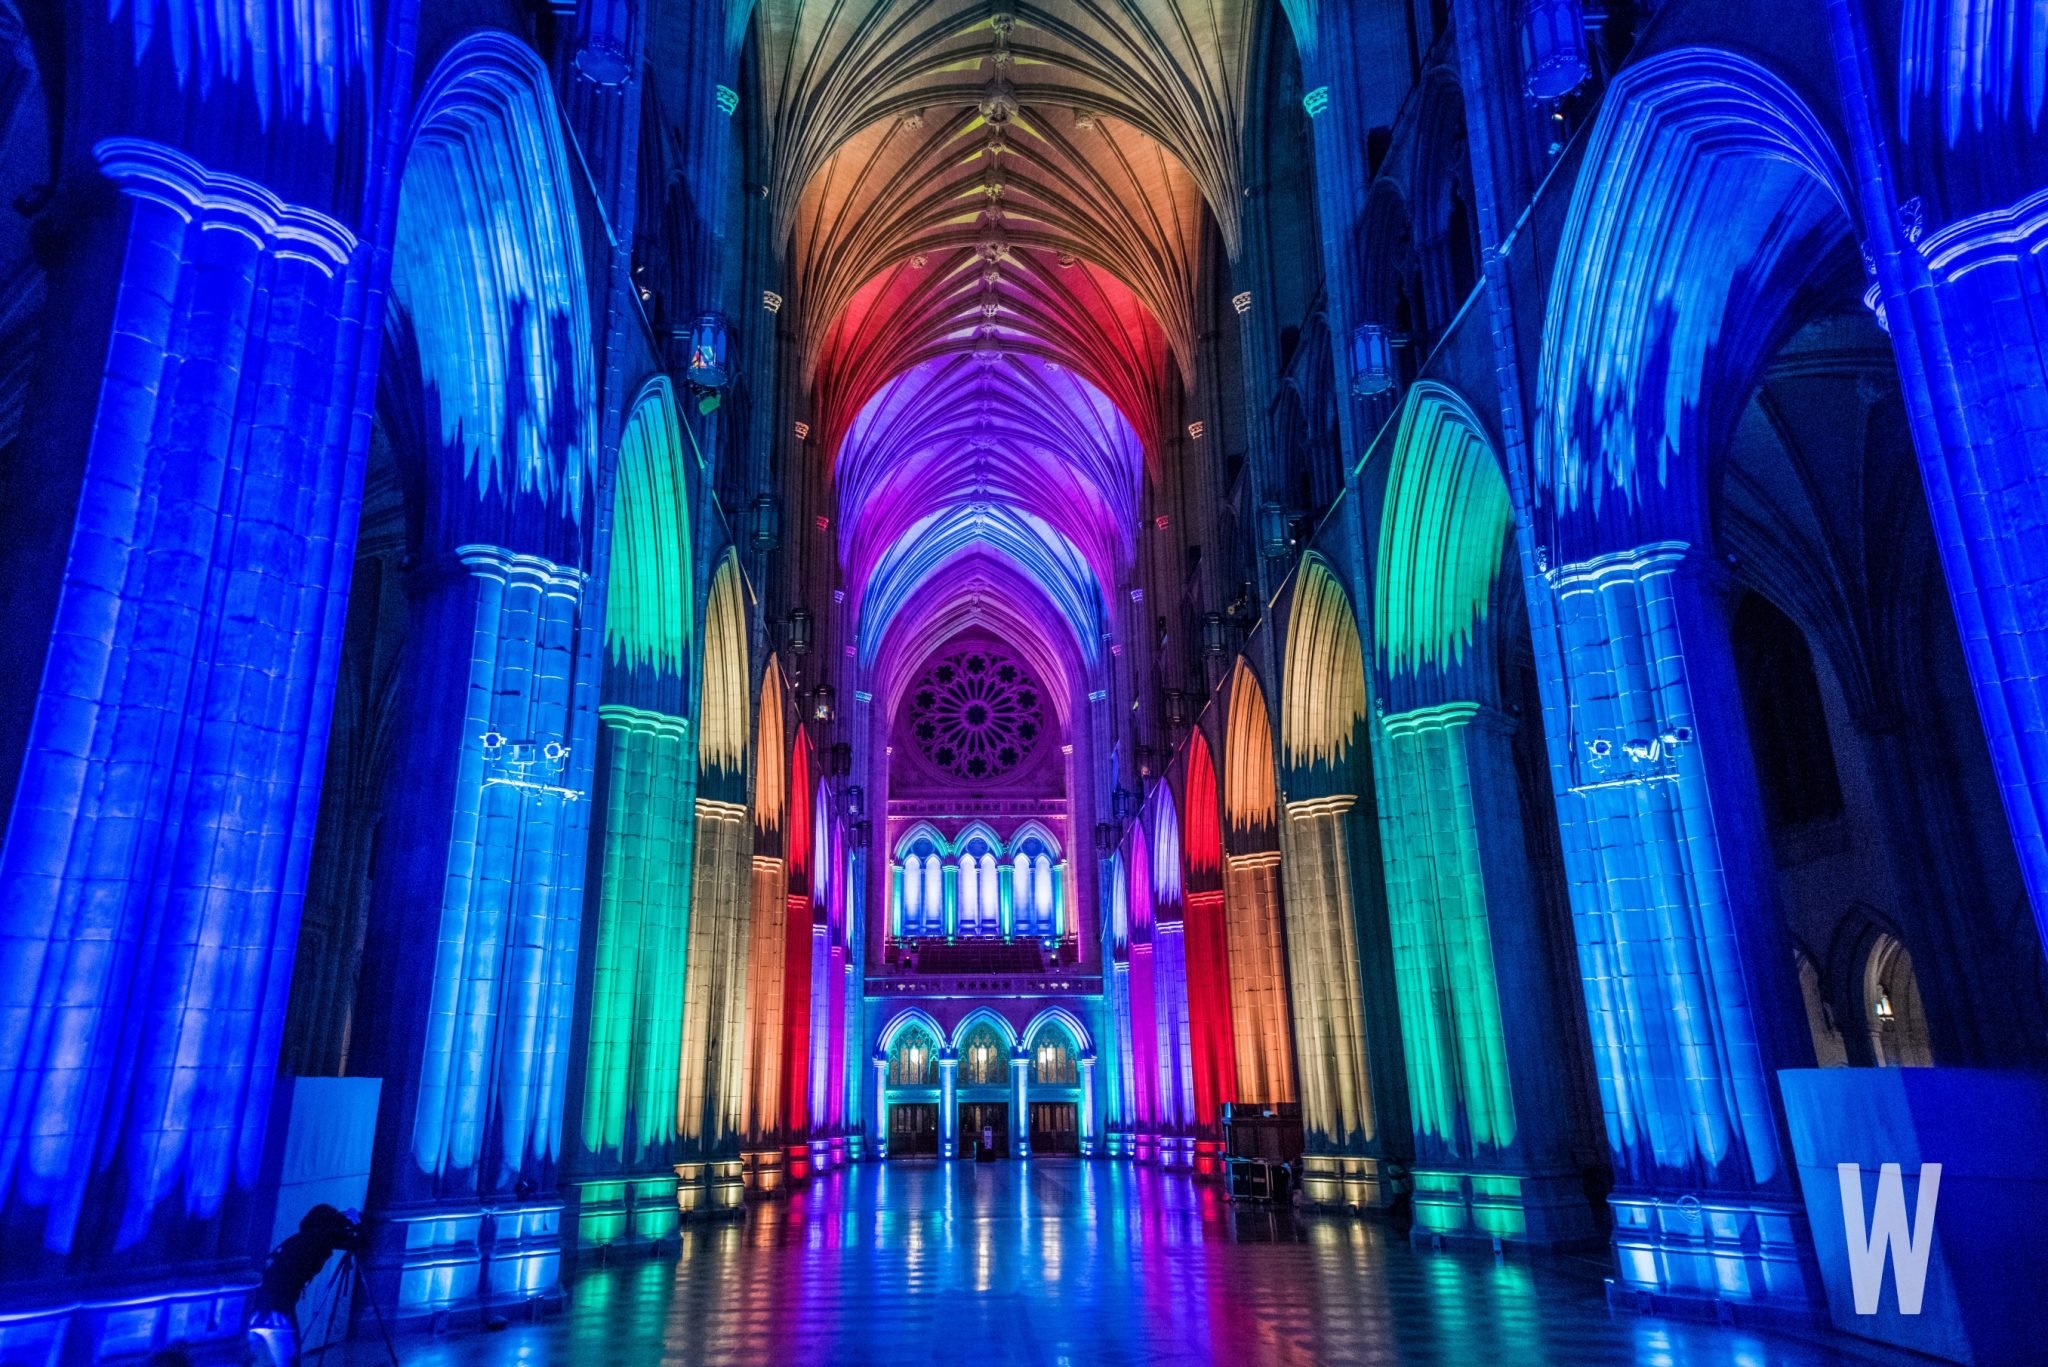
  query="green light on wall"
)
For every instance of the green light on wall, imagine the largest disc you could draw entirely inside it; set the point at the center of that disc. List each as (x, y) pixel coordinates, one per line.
(648, 608)
(1445, 525)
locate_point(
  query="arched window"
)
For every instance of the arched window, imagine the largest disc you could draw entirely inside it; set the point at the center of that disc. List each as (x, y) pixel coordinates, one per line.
(1034, 890)
(984, 1059)
(914, 1059)
(921, 887)
(1891, 1004)
(981, 907)
(1053, 1060)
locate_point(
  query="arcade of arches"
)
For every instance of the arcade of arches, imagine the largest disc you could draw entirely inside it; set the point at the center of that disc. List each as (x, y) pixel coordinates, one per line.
(624, 609)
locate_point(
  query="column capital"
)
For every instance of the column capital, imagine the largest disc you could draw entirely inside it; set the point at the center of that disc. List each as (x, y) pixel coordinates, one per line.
(164, 175)
(1994, 236)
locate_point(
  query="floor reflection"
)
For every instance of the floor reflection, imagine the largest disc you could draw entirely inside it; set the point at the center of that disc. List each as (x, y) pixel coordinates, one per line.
(1067, 1263)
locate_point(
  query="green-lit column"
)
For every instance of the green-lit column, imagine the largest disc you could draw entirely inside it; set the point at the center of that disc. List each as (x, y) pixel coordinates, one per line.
(1491, 1150)
(627, 1180)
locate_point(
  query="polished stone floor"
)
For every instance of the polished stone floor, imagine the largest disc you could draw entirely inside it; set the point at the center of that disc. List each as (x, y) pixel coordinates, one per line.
(1067, 1263)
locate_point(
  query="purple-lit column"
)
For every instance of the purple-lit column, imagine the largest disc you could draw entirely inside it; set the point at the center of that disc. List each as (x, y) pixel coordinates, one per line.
(1681, 947)
(156, 853)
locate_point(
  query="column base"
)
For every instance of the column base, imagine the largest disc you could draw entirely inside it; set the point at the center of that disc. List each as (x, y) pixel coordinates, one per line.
(710, 1190)
(425, 1263)
(128, 1323)
(1176, 1153)
(763, 1171)
(1668, 1251)
(624, 1213)
(1540, 1210)
(1334, 1181)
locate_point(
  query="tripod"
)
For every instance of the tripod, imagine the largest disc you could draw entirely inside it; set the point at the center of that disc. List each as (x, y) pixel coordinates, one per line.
(349, 1274)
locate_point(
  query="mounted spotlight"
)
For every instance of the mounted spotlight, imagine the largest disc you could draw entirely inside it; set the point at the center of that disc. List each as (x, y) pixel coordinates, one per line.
(1553, 48)
(707, 352)
(1372, 359)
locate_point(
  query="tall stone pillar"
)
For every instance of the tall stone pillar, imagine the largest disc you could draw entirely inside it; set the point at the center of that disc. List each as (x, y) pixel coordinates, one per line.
(156, 852)
(1682, 949)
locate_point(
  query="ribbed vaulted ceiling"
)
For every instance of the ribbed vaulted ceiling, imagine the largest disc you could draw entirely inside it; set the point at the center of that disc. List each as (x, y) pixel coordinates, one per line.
(994, 215)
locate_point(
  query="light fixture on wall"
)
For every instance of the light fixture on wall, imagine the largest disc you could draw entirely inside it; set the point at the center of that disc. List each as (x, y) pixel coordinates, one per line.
(822, 699)
(1882, 1008)
(708, 351)
(1176, 708)
(1215, 634)
(1372, 359)
(765, 522)
(1553, 48)
(1276, 532)
(800, 628)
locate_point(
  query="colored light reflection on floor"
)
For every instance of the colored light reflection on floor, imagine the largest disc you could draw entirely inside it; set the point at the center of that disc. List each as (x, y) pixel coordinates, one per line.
(1070, 1263)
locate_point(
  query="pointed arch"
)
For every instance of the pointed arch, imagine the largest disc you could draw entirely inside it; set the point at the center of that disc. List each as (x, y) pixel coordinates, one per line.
(1712, 195)
(983, 1015)
(1443, 526)
(1163, 818)
(1201, 817)
(923, 830)
(770, 796)
(981, 829)
(648, 622)
(903, 1020)
(1251, 797)
(722, 735)
(1061, 1018)
(1034, 827)
(1323, 684)
(490, 305)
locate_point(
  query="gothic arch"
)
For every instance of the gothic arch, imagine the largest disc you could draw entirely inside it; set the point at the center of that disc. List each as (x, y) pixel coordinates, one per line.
(1444, 525)
(1060, 1017)
(1323, 694)
(1712, 194)
(488, 332)
(649, 620)
(982, 1015)
(722, 733)
(1250, 773)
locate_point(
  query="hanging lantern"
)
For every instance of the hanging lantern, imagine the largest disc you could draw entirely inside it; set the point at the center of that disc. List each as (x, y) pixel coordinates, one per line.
(821, 702)
(1176, 707)
(854, 797)
(1553, 48)
(800, 631)
(1215, 634)
(604, 30)
(1372, 359)
(1276, 535)
(707, 352)
(841, 758)
(1123, 805)
(766, 522)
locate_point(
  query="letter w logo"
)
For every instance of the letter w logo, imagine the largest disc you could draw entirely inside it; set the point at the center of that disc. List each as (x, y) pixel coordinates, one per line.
(1888, 1230)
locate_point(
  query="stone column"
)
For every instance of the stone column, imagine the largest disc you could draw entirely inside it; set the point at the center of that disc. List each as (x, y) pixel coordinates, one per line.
(1020, 1102)
(949, 1119)
(1087, 1117)
(1492, 1145)
(1682, 949)
(156, 853)
(881, 1121)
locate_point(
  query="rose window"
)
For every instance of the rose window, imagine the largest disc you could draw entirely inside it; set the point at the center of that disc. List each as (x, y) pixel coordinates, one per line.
(976, 714)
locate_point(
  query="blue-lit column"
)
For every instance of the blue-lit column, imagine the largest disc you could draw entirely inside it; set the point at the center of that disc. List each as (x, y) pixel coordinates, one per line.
(1950, 163)
(949, 1119)
(880, 1123)
(1020, 1101)
(469, 1004)
(1682, 950)
(1087, 1062)
(156, 851)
